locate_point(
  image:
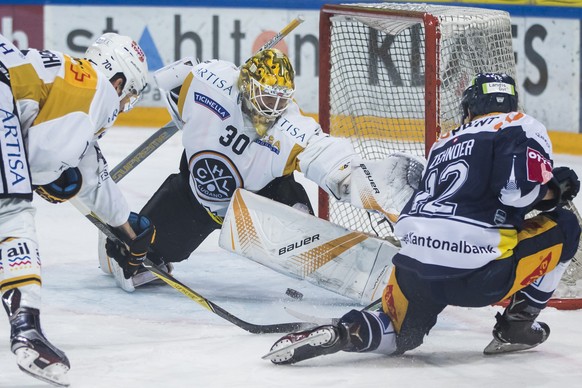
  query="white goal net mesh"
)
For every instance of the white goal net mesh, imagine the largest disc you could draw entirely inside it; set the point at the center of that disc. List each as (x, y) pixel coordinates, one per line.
(382, 58)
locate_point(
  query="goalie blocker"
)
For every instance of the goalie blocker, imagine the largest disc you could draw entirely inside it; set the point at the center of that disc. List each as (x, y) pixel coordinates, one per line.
(302, 246)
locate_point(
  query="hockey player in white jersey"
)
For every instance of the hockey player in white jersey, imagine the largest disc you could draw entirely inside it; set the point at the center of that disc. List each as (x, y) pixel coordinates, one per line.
(241, 129)
(54, 108)
(465, 239)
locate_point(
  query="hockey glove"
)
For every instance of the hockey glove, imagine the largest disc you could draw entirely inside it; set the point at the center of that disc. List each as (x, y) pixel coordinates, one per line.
(568, 182)
(131, 253)
(64, 188)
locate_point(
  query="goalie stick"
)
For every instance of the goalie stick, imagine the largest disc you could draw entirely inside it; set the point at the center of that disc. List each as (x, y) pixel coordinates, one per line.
(144, 150)
(187, 291)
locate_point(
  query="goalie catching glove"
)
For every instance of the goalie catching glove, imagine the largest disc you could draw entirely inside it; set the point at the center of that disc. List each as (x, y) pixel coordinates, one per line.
(63, 188)
(130, 253)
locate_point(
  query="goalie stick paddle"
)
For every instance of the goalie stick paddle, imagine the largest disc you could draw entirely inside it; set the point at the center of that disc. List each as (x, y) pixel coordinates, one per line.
(201, 300)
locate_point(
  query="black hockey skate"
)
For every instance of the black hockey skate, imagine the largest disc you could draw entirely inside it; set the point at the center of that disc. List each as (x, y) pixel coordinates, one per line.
(295, 347)
(35, 355)
(517, 329)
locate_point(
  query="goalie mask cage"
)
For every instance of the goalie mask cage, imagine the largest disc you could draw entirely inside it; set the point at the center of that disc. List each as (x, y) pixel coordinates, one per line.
(391, 79)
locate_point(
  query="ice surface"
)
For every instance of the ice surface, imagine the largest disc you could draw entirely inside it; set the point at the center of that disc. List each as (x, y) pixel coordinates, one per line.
(156, 337)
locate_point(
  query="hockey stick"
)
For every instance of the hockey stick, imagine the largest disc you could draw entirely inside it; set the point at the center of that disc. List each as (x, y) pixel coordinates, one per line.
(329, 321)
(196, 297)
(144, 150)
(123, 168)
(213, 307)
(163, 134)
(283, 33)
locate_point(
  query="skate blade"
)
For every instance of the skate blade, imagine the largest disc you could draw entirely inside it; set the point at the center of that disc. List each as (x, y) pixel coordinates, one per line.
(55, 374)
(284, 349)
(498, 347)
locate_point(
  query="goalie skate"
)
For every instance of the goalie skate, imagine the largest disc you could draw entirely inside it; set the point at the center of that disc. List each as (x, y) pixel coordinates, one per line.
(295, 347)
(141, 277)
(144, 276)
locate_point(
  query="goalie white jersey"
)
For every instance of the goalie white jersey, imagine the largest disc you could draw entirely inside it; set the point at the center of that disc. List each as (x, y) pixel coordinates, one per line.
(224, 151)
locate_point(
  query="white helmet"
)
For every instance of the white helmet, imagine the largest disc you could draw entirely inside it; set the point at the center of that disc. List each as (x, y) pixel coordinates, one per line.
(113, 54)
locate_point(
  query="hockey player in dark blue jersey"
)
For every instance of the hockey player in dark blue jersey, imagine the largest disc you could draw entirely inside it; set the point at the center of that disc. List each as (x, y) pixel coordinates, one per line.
(465, 237)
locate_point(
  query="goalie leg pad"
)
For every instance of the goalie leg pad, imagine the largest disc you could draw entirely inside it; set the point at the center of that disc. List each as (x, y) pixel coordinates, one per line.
(298, 245)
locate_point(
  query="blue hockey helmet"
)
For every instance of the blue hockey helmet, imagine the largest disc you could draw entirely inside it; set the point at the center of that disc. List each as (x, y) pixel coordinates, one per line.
(489, 92)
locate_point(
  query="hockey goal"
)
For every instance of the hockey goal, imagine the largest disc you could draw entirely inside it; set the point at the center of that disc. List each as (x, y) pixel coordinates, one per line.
(391, 78)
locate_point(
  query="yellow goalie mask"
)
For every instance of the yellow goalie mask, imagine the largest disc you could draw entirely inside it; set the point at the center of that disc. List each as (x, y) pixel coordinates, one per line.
(267, 86)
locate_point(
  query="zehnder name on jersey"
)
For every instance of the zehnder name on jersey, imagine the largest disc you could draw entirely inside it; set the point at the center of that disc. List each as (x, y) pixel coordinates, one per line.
(464, 148)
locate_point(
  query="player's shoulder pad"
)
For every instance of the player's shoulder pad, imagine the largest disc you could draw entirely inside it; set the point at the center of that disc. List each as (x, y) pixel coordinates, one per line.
(220, 76)
(513, 119)
(47, 63)
(296, 126)
(531, 127)
(213, 87)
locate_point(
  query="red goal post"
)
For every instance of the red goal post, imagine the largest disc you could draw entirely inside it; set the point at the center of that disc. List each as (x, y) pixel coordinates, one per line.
(391, 78)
